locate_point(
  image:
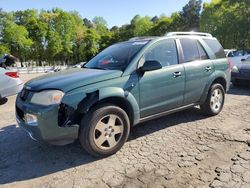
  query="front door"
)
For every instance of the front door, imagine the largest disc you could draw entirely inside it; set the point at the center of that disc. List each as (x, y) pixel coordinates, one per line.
(162, 89)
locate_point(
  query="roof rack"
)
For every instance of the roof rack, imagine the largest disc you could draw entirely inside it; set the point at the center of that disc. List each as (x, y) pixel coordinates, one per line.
(188, 33)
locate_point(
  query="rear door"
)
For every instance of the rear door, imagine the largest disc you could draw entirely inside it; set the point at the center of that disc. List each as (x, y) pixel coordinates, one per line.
(162, 89)
(198, 68)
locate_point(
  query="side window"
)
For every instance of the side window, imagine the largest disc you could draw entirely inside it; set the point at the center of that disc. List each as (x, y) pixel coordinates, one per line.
(215, 47)
(203, 54)
(164, 51)
(190, 49)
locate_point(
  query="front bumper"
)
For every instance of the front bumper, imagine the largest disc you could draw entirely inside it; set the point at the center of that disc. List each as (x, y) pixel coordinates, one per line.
(47, 129)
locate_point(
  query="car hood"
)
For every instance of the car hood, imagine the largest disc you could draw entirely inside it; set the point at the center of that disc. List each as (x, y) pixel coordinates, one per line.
(70, 79)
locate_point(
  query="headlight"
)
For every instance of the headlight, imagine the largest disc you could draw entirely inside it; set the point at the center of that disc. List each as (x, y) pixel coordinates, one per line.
(235, 69)
(47, 97)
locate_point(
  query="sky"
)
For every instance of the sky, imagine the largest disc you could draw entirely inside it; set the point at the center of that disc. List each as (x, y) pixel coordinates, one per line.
(115, 12)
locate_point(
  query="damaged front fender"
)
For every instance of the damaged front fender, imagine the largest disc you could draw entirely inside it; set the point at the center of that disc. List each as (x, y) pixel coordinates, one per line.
(81, 102)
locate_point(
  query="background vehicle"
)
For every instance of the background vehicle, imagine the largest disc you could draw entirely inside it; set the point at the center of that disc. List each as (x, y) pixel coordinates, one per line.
(79, 65)
(53, 69)
(235, 56)
(10, 83)
(241, 72)
(126, 84)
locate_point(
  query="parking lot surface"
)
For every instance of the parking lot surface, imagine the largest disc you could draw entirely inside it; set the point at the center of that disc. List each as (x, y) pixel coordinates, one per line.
(186, 149)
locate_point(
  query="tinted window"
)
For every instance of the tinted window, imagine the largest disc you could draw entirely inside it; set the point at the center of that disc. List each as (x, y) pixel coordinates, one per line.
(117, 56)
(203, 54)
(215, 47)
(190, 49)
(164, 51)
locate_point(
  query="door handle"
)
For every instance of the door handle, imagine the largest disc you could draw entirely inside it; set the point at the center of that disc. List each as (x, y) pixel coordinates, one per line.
(176, 74)
(208, 68)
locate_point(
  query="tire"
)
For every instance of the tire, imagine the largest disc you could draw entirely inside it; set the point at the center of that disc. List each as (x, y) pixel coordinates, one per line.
(104, 130)
(214, 101)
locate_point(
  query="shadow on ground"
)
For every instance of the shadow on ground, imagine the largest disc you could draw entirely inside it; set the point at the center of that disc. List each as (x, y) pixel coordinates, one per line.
(239, 90)
(22, 158)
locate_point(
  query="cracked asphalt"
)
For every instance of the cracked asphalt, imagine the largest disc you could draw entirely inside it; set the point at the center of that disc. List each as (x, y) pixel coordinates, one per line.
(186, 149)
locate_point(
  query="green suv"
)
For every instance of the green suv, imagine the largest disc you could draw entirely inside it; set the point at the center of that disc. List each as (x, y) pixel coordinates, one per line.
(126, 84)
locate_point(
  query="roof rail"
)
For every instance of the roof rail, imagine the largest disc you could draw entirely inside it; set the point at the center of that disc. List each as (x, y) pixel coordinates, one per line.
(188, 33)
(142, 38)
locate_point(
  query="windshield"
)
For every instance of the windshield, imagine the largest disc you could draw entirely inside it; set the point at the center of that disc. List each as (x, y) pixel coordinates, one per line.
(117, 56)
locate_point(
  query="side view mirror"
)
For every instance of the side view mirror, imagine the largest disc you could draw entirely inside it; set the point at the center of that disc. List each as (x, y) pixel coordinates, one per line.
(150, 66)
(243, 59)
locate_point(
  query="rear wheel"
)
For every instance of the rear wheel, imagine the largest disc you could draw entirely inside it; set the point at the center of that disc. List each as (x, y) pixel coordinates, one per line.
(104, 130)
(215, 100)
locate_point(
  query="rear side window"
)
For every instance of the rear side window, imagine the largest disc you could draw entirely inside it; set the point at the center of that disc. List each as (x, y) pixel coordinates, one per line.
(202, 52)
(215, 47)
(190, 49)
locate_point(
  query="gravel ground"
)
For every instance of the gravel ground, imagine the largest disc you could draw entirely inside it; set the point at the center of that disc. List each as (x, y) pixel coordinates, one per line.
(185, 149)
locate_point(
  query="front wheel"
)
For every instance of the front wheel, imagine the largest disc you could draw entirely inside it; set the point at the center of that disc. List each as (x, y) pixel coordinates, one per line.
(104, 130)
(215, 100)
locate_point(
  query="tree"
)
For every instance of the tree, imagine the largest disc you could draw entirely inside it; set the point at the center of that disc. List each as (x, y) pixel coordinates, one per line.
(98, 20)
(190, 15)
(4, 50)
(18, 42)
(228, 21)
(91, 44)
(87, 23)
(161, 26)
(141, 25)
(37, 32)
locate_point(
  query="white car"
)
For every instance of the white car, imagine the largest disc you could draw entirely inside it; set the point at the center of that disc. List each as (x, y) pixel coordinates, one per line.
(236, 56)
(10, 83)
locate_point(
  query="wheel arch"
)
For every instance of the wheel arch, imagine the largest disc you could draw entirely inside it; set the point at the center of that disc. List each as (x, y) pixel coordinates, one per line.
(112, 95)
(220, 79)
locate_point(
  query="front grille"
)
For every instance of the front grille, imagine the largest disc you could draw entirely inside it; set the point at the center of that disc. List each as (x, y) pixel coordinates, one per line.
(24, 94)
(20, 113)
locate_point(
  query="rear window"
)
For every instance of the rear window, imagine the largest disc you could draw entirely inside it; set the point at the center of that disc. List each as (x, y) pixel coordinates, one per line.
(216, 48)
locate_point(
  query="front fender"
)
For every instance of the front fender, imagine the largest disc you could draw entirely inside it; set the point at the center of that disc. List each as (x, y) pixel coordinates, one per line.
(82, 101)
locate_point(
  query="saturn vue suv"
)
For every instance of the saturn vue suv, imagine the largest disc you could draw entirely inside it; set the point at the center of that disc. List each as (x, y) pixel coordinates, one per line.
(126, 84)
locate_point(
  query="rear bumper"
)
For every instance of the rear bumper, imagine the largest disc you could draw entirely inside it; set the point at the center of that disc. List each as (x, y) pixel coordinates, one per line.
(12, 90)
(46, 129)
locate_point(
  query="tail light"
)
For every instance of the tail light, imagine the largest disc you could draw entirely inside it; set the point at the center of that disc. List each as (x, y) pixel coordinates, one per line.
(12, 74)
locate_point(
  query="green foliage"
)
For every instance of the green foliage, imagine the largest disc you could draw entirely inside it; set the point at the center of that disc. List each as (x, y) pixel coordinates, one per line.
(16, 38)
(190, 15)
(4, 50)
(228, 21)
(141, 25)
(57, 36)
